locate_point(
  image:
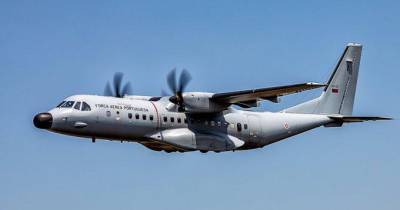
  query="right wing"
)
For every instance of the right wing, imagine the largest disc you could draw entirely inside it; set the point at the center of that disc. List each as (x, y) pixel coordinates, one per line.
(245, 97)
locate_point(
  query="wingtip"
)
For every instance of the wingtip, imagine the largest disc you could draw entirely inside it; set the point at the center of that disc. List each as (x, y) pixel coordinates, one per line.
(384, 118)
(316, 84)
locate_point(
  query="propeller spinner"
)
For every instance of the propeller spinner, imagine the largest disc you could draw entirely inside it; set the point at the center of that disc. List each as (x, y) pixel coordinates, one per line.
(178, 87)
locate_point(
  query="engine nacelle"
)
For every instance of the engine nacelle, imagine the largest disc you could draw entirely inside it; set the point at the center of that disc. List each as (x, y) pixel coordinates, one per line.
(199, 102)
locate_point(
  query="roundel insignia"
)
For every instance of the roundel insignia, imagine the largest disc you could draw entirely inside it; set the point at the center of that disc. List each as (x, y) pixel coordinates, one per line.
(286, 126)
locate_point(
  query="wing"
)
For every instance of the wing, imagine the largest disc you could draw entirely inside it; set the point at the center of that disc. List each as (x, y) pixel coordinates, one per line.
(249, 97)
(350, 119)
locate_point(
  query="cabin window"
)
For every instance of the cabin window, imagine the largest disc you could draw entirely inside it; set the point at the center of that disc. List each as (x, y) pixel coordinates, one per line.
(212, 123)
(206, 123)
(245, 126)
(179, 120)
(108, 113)
(137, 116)
(77, 106)
(219, 123)
(130, 115)
(239, 127)
(85, 107)
(172, 119)
(165, 119)
(144, 117)
(151, 117)
(185, 120)
(117, 112)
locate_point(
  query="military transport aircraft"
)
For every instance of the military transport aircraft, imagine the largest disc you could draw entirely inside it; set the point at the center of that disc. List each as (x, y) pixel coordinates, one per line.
(190, 121)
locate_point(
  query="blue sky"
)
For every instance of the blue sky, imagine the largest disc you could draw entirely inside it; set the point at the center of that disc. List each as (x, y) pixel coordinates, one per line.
(53, 49)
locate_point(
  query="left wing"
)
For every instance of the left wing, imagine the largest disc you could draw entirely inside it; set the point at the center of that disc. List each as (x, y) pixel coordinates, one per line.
(248, 98)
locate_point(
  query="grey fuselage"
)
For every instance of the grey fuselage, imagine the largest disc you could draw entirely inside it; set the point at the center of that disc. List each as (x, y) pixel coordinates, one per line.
(138, 120)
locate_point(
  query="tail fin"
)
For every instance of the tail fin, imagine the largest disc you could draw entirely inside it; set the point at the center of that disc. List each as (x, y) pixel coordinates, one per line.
(338, 95)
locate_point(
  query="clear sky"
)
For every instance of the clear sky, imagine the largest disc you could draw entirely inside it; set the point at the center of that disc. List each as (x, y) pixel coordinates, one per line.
(53, 49)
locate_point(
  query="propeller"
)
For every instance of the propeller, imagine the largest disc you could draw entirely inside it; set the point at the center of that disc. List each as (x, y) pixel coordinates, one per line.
(118, 90)
(164, 93)
(177, 87)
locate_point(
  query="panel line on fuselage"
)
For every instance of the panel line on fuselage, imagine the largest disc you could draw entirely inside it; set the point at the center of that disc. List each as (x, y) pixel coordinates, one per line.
(157, 115)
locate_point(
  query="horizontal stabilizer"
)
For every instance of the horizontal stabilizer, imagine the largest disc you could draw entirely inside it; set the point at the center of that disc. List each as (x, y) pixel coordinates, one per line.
(350, 119)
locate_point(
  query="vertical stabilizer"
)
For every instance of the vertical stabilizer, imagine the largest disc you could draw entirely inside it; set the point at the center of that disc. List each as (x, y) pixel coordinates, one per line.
(338, 96)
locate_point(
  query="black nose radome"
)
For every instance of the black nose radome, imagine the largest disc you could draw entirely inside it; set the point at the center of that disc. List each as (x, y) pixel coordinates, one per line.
(43, 120)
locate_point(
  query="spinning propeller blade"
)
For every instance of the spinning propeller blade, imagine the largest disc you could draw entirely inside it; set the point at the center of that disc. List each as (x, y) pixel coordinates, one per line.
(118, 90)
(177, 87)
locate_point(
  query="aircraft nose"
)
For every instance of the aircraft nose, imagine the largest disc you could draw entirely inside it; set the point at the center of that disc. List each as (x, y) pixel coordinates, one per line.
(43, 120)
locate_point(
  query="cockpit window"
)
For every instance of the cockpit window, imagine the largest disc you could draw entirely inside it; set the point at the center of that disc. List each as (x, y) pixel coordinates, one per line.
(85, 107)
(67, 104)
(77, 106)
(59, 105)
